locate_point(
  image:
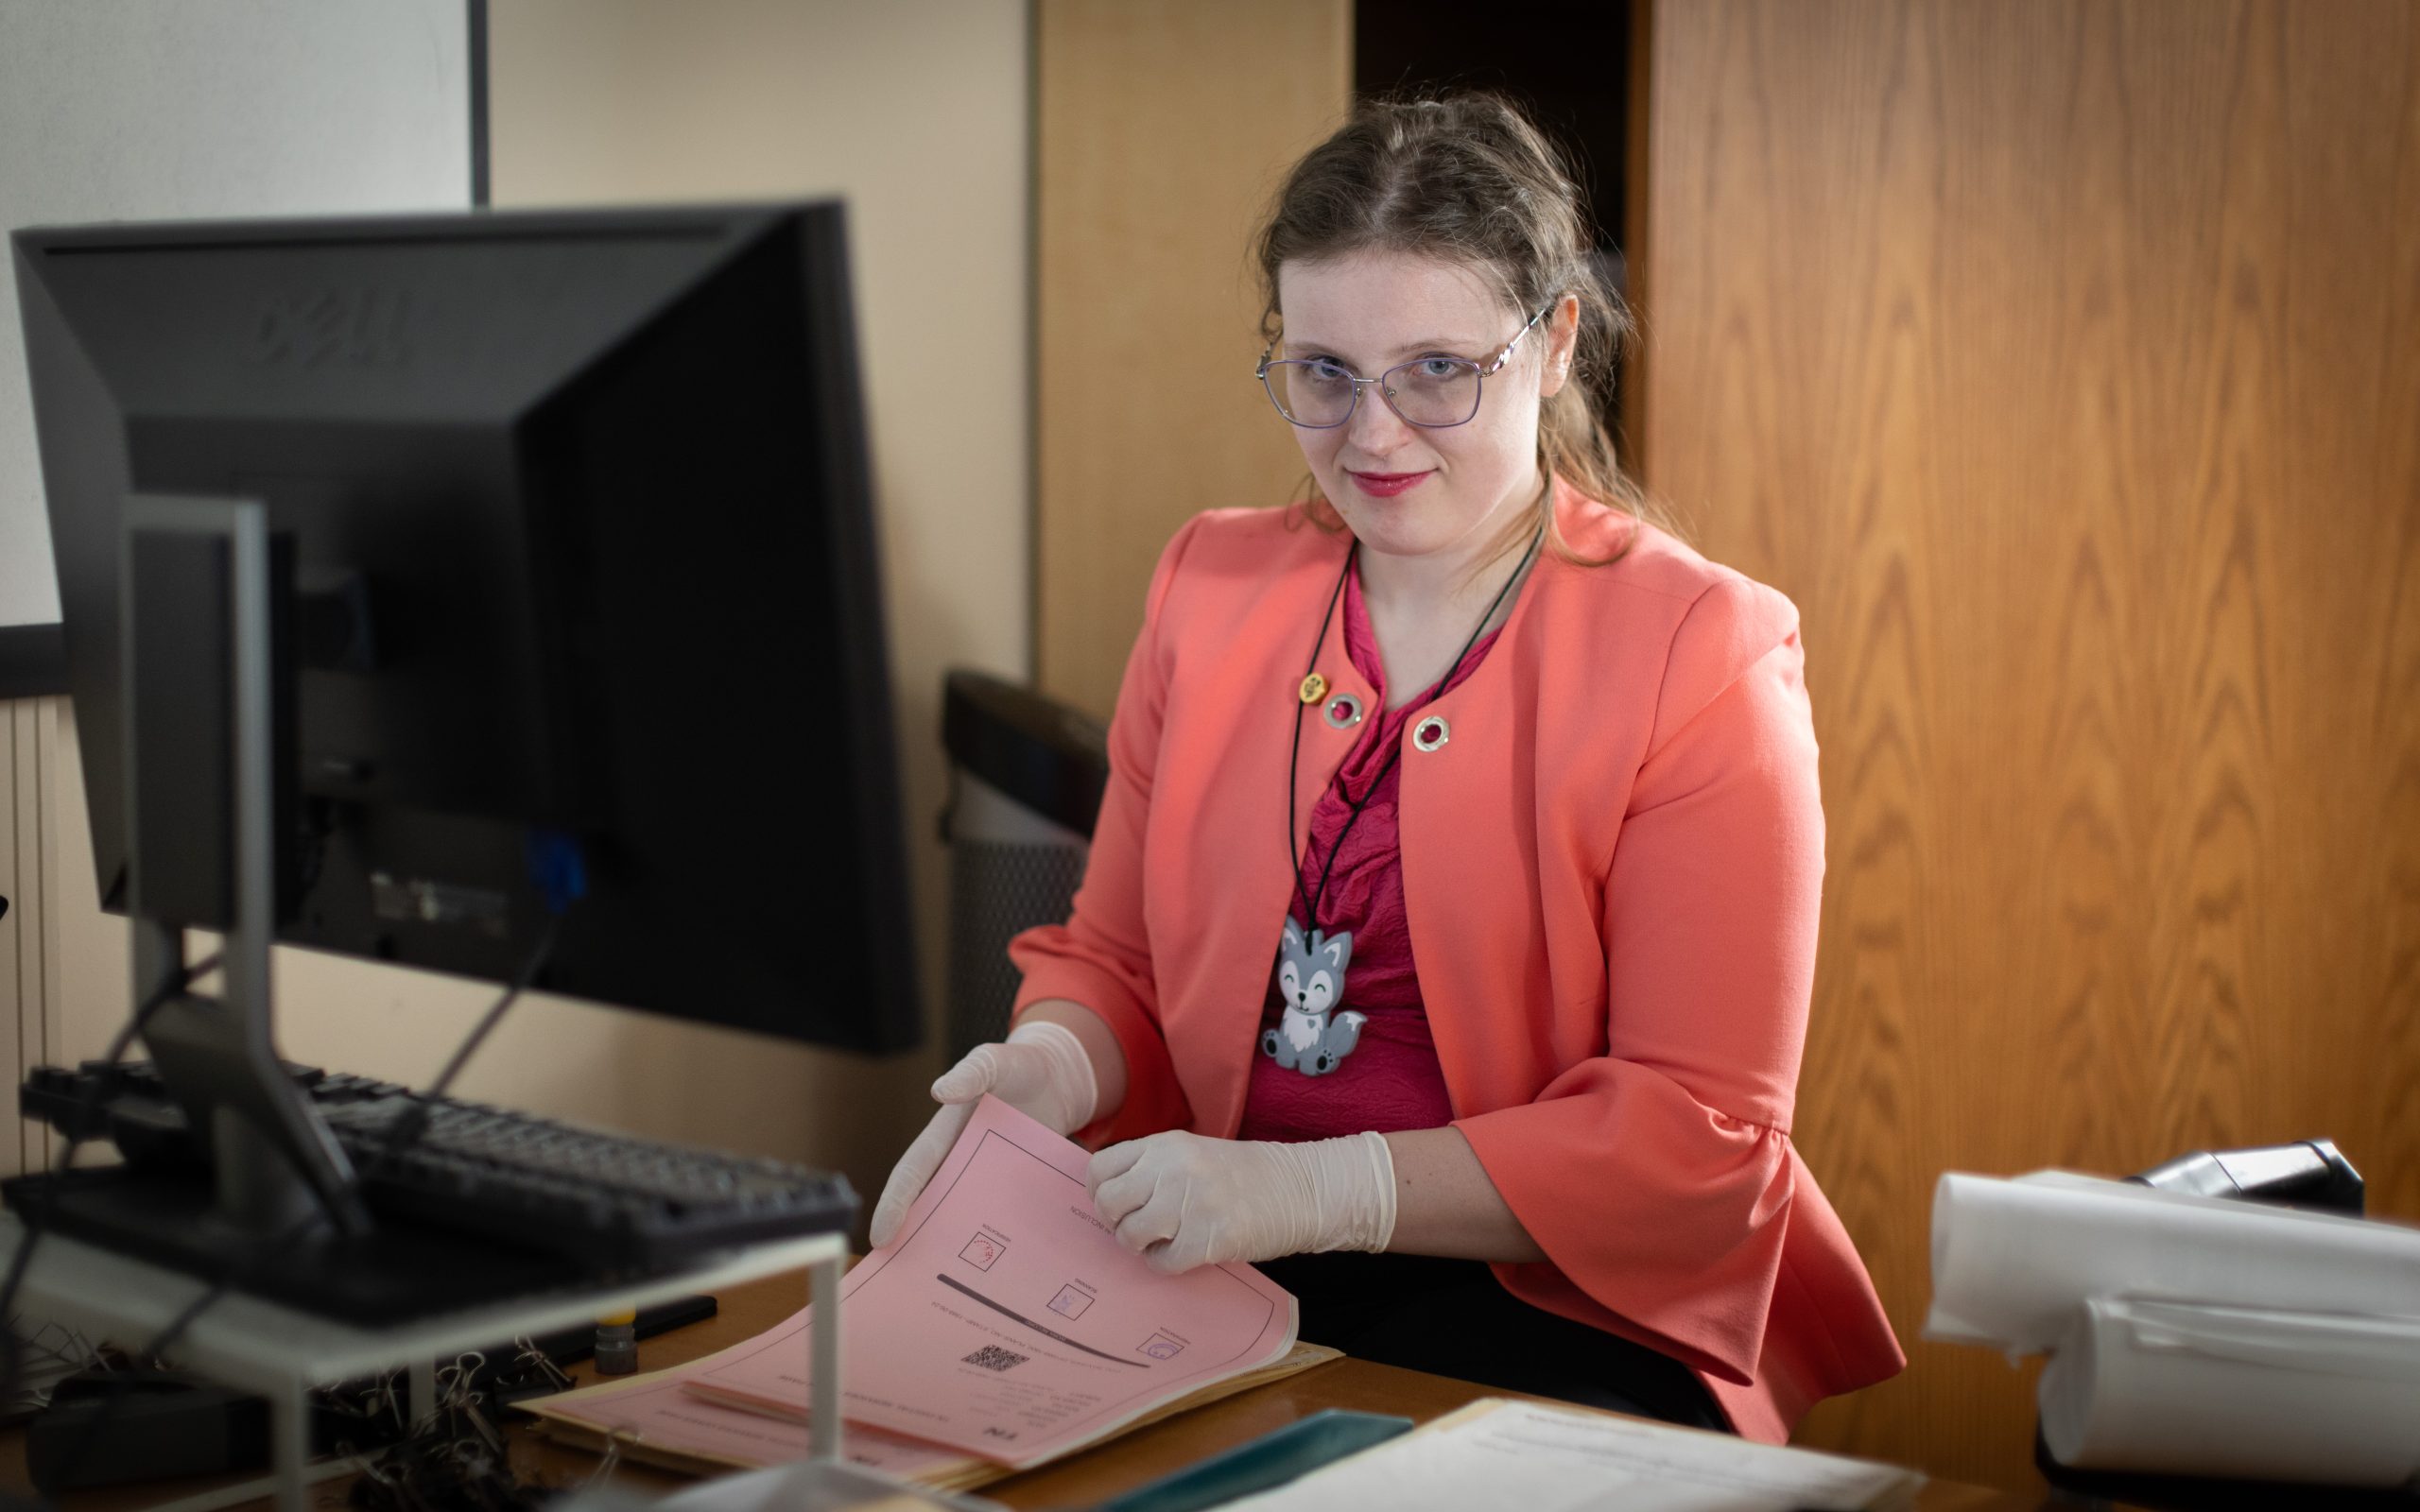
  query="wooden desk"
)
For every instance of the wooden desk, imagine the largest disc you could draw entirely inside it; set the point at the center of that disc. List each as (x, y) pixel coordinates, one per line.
(1142, 1455)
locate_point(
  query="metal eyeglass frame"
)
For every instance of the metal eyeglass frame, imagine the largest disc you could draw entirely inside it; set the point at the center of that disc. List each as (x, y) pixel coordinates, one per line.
(1484, 369)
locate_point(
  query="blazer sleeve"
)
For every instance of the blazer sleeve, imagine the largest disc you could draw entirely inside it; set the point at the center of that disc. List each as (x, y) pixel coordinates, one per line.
(1657, 1176)
(1101, 956)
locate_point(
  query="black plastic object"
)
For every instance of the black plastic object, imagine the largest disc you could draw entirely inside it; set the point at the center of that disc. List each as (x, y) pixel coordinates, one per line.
(162, 1425)
(1052, 758)
(111, 1427)
(2194, 1493)
(2311, 1173)
(400, 1271)
(572, 1344)
(482, 1204)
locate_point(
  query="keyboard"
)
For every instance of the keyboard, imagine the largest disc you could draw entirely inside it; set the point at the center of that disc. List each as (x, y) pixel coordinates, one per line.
(606, 1202)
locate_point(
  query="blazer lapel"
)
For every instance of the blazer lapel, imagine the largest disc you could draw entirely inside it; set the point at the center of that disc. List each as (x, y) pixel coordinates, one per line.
(1218, 813)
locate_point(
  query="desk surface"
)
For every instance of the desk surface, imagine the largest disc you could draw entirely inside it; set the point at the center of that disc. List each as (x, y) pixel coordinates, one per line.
(749, 1308)
(1146, 1453)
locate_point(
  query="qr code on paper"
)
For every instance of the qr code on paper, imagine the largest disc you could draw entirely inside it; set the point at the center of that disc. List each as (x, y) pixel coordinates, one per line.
(992, 1357)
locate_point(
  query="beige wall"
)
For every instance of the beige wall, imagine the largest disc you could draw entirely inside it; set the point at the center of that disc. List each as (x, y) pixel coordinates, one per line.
(1163, 128)
(918, 113)
(152, 110)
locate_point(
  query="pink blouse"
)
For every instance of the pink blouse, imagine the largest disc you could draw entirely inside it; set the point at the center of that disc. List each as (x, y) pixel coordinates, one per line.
(1391, 1079)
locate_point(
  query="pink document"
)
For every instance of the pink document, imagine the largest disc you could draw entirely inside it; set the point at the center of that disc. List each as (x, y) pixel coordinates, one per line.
(1006, 1321)
(656, 1412)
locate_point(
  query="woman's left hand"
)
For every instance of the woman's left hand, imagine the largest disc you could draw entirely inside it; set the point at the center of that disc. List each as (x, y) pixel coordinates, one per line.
(1182, 1200)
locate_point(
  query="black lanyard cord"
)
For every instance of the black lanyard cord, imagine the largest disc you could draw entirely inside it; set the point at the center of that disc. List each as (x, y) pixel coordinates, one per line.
(1311, 902)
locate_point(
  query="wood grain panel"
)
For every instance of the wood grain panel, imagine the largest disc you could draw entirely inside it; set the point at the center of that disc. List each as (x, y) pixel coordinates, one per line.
(2062, 361)
(1161, 128)
(30, 992)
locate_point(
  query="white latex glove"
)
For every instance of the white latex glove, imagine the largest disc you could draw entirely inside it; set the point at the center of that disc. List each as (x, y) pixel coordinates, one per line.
(1041, 1071)
(1182, 1200)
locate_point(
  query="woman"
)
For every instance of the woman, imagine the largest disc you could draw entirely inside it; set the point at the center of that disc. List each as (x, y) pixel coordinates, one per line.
(1493, 1066)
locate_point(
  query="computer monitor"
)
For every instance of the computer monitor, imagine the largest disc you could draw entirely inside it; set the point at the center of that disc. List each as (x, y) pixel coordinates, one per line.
(581, 556)
(492, 593)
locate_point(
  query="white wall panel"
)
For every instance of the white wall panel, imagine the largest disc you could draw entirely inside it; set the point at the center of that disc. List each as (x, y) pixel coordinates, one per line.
(137, 110)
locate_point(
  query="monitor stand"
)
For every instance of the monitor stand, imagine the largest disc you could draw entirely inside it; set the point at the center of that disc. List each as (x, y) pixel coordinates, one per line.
(257, 1345)
(205, 596)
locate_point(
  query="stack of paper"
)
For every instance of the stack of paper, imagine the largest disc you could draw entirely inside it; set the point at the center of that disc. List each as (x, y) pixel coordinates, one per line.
(2188, 1334)
(658, 1419)
(1002, 1328)
(1546, 1458)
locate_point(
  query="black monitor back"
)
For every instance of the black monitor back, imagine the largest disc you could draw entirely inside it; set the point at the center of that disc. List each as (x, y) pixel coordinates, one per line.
(581, 527)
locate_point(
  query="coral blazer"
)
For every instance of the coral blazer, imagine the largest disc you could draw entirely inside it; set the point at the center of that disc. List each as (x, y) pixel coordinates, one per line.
(1612, 869)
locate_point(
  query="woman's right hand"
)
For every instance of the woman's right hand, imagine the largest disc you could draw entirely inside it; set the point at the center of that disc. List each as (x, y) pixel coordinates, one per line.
(1041, 1071)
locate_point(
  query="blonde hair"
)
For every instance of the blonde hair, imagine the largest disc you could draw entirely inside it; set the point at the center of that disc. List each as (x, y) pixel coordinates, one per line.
(1465, 177)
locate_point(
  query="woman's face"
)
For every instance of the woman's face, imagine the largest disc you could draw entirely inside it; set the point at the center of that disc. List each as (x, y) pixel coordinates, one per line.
(1438, 495)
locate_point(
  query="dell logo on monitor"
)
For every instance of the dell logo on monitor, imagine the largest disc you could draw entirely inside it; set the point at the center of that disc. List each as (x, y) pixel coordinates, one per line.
(363, 328)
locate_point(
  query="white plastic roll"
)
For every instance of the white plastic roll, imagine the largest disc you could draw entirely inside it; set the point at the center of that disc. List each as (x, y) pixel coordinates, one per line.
(2179, 1388)
(2013, 1259)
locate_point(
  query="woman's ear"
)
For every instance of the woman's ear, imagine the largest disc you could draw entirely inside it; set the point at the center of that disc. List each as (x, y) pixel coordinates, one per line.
(1563, 344)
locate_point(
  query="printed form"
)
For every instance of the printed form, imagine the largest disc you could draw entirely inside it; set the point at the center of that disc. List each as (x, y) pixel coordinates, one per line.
(1549, 1458)
(1007, 1321)
(703, 1434)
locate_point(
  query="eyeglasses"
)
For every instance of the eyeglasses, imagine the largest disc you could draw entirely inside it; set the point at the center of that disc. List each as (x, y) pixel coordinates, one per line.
(1434, 392)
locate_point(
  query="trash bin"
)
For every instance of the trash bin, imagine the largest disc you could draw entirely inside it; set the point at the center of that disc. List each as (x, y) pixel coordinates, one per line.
(1027, 774)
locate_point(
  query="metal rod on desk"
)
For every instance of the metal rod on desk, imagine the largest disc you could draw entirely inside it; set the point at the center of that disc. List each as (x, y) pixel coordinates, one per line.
(423, 1397)
(823, 1420)
(290, 1442)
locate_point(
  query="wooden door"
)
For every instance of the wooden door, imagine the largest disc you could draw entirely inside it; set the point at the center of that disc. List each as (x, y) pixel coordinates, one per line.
(2062, 360)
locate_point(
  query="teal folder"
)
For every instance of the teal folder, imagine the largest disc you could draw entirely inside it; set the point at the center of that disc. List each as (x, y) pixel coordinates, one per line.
(1270, 1460)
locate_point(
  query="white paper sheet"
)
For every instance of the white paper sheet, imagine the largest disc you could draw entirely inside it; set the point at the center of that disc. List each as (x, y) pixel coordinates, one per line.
(2181, 1389)
(814, 1486)
(2014, 1261)
(1501, 1453)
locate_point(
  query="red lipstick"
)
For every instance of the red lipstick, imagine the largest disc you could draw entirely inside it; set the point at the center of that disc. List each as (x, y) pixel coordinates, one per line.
(1386, 485)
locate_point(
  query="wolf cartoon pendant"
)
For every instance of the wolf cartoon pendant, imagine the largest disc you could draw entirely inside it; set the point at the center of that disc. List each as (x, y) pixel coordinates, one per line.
(1312, 1038)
